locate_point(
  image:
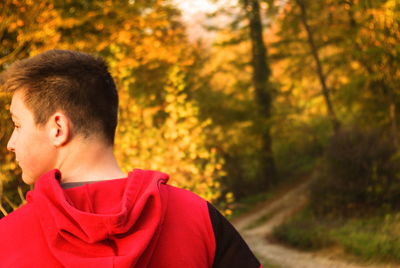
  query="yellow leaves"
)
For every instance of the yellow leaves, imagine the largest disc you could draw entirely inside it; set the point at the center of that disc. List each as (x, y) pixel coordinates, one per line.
(174, 142)
(228, 212)
(177, 146)
(124, 37)
(30, 24)
(70, 22)
(355, 65)
(20, 23)
(12, 26)
(127, 26)
(102, 45)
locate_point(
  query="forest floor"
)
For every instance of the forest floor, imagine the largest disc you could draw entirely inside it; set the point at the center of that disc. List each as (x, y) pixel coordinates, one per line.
(257, 225)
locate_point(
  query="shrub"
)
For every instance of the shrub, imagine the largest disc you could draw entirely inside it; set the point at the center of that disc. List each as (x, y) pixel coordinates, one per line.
(303, 231)
(371, 239)
(359, 174)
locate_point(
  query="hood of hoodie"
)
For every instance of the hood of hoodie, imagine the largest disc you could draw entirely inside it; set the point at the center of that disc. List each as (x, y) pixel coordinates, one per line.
(112, 223)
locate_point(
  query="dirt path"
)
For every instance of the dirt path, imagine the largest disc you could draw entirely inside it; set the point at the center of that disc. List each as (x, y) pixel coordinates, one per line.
(274, 213)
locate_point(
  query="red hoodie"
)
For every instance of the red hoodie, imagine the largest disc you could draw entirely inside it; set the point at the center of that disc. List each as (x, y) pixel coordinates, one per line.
(138, 221)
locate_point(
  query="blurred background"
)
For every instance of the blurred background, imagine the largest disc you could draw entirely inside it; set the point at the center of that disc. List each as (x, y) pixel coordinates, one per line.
(239, 100)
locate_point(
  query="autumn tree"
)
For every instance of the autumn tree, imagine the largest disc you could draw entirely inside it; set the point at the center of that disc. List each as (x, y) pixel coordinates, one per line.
(26, 27)
(239, 97)
(145, 45)
(170, 137)
(326, 92)
(356, 43)
(262, 86)
(373, 66)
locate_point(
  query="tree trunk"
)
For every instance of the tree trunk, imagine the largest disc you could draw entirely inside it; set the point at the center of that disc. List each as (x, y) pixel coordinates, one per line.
(320, 71)
(262, 87)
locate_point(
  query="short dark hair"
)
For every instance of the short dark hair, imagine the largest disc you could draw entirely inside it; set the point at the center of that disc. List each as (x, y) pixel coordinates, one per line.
(76, 83)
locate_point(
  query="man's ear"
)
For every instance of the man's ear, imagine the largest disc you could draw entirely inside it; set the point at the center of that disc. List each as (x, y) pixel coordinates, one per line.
(59, 126)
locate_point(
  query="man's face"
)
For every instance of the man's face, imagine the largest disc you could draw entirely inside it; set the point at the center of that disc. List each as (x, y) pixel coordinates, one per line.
(32, 146)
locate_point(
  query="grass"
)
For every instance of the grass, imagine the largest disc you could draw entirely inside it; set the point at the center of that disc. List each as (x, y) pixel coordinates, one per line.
(267, 264)
(375, 239)
(303, 231)
(250, 203)
(259, 221)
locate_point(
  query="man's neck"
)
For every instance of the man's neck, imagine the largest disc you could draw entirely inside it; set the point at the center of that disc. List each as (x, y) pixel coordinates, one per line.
(88, 160)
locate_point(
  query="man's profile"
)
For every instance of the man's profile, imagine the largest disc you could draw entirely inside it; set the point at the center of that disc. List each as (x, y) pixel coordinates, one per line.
(84, 211)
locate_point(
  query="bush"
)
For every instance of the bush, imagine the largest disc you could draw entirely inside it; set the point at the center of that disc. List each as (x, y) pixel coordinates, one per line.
(358, 175)
(371, 239)
(297, 146)
(303, 231)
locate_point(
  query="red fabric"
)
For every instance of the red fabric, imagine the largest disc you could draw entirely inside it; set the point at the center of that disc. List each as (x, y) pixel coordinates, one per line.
(139, 221)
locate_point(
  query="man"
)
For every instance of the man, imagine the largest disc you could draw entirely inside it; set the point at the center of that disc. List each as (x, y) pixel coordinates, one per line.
(84, 211)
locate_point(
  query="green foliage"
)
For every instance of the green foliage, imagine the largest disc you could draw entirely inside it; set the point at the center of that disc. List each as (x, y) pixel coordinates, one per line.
(303, 231)
(298, 146)
(268, 264)
(262, 219)
(359, 174)
(235, 131)
(370, 239)
(246, 204)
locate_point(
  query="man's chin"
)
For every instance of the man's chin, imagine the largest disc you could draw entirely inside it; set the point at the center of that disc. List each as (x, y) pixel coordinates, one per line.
(28, 179)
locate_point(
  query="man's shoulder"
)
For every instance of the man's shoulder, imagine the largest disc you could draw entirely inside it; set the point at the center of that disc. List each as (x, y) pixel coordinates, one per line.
(20, 218)
(22, 236)
(17, 229)
(184, 195)
(187, 203)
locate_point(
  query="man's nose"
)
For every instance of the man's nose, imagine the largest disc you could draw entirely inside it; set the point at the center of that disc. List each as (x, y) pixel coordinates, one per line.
(10, 144)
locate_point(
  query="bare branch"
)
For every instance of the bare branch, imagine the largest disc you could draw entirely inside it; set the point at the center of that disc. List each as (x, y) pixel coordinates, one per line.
(9, 202)
(21, 195)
